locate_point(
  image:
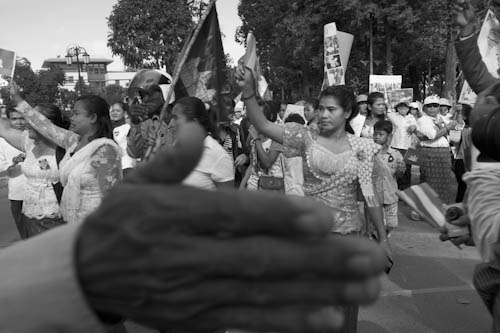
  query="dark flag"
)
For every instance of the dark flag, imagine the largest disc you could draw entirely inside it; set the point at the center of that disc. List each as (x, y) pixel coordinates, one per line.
(203, 72)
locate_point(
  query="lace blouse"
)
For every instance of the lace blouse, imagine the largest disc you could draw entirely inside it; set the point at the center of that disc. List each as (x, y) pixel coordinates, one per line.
(41, 171)
(86, 174)
(333, 178)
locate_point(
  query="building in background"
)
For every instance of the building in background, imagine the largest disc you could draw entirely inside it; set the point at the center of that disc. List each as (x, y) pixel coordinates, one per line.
(92, 74)
(119, 78)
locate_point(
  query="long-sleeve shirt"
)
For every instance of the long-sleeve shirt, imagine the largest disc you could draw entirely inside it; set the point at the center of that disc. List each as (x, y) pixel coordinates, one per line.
(483, 203)
(138, 139)
(39, 287)
(428, 127)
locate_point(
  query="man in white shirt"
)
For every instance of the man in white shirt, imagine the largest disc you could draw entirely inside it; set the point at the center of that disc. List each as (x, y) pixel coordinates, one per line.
(10, 164)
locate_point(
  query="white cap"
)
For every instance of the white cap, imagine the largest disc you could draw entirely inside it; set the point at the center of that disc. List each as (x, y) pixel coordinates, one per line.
(444, 101)
(431, 100)
(414, 105)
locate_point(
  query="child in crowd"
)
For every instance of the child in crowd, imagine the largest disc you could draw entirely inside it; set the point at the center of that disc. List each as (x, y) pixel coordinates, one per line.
(392, 167)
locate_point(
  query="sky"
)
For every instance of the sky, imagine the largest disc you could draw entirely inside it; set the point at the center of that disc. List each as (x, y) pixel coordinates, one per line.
(44, 29)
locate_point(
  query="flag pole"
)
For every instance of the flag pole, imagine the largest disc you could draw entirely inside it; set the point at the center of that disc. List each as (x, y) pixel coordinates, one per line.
(177, 72)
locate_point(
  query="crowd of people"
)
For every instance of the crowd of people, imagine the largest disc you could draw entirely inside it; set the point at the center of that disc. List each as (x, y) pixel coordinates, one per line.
(242, 213)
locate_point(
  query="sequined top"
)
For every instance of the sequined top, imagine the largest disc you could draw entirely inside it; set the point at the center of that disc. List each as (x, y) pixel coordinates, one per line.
(333, 178)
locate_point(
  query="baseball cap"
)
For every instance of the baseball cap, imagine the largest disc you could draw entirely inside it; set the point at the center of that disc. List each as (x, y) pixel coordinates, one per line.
(413, 105)
(362, 99)
(431, 100)
(405, 103)
(444, 101)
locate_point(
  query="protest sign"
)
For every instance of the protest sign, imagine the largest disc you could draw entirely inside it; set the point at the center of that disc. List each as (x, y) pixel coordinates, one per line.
(334, 71)
(467, 96)
(345, 43)
(292, 108)
(400, 95)
(7, 63)
(385, 84)
(488, 43)
(251, 61)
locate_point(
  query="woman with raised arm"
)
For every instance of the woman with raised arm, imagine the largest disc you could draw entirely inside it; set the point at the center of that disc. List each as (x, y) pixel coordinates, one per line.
(92, 163)
(42, 191)
(335, 162)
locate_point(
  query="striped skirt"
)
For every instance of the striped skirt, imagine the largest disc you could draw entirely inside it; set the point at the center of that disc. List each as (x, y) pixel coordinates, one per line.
(435, 169)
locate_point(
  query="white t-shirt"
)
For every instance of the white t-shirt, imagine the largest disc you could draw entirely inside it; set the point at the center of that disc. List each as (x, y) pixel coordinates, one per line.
(427, 127)
(400, 137)
(357, 124)
(215, 166)
(16, 184)
(120, 136)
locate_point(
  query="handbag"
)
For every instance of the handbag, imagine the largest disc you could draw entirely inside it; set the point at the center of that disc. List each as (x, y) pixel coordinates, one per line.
(272, 183)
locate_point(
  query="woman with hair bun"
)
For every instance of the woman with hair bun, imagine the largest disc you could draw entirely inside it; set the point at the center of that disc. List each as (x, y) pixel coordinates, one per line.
(216, 168)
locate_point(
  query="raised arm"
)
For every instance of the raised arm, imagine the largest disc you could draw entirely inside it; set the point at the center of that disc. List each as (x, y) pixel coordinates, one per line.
(475, 71)
(13, 136)
(41, 124)
(245, 80)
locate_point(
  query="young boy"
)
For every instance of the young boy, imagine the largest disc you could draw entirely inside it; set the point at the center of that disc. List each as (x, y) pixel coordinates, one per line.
(392, 166)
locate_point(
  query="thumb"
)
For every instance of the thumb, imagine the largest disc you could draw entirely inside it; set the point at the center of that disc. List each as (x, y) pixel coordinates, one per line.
(172, 165)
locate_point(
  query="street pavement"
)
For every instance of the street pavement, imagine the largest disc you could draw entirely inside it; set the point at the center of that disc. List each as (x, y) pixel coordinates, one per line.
(428, 290)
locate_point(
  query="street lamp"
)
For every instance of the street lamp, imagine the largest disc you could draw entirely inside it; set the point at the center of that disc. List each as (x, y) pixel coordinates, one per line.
(76, 51)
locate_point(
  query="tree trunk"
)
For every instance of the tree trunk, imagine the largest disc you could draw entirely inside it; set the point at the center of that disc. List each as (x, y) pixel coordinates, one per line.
(449, 89)
(388, 43)
(306, 84)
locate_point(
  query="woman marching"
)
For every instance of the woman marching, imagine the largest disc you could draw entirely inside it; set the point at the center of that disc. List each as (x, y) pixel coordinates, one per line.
(92, 162)
(436, 166)
(42, 192)
(335, 162)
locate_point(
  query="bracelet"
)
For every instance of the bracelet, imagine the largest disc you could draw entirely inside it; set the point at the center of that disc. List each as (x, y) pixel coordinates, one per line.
(247, 98)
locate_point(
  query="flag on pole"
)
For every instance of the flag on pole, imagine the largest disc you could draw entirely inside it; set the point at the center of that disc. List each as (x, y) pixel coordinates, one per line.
(203, 72)
(7, 63)
(251, 60)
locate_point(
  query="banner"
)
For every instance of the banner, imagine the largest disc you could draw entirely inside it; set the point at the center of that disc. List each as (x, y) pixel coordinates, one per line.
(203, 74)
(385, 84)
(337, 48)
(400, 95)
(7, 63)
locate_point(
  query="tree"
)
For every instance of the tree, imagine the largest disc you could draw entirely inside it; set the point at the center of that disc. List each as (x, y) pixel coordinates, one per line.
(113, 93)
(38, 87)
(149, 33)
(410, 39)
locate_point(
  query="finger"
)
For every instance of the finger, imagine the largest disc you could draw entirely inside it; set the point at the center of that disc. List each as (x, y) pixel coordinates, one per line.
(172, 165)
(230, 213)
(264, 293)
(462, 221)
(271, 319)
(265, 257)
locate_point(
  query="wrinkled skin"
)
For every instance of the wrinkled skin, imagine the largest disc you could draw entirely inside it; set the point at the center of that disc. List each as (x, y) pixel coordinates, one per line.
(183, 259)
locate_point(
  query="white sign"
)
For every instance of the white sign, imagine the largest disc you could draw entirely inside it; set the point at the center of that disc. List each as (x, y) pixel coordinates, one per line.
(337, 48)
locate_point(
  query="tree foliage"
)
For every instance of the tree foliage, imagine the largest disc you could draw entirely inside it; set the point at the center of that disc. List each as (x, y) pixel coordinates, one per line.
(410, 38)
(38, 87)
(149, 33)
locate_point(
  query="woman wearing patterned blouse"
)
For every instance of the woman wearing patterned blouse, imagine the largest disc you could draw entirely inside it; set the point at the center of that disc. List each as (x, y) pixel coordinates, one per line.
(92, 163)
(40, 210)
(335, 163)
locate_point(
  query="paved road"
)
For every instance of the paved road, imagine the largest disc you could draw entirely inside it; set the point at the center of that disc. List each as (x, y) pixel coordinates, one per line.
(428, 290)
